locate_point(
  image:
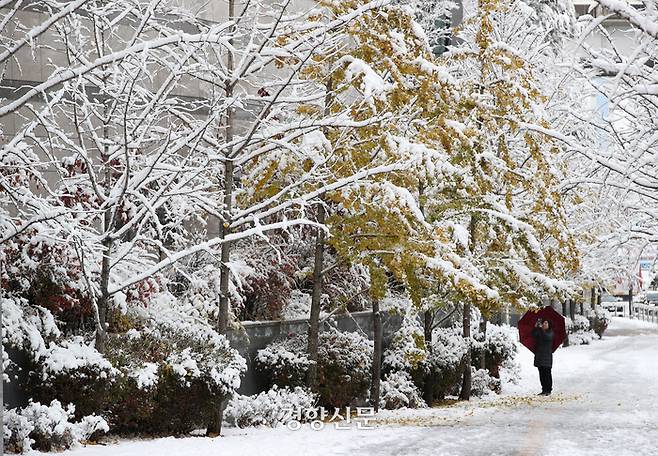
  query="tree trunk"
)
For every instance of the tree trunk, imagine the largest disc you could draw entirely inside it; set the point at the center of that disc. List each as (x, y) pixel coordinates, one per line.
(103, 301)
(229, 178)
(592, 299)
(215, 426)
(224, 272)
(376, 355)
(428, 321)
(483, 355)
(630, 301)
(314, 321)
(318, 266)
(428, 387)
(465, 393)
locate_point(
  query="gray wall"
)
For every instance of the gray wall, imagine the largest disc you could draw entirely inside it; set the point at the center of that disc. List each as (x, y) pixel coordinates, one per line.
(257, 335)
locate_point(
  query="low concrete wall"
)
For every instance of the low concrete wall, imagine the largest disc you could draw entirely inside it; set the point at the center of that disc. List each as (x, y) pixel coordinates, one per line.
(258, 334)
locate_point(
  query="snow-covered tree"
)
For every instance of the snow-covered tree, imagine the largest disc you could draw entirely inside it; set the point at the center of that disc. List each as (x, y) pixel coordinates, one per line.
(159, 127)
(511, 217)
(624, 75)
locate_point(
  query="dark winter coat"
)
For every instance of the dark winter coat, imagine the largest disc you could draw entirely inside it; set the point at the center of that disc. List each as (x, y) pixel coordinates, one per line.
(543, 348)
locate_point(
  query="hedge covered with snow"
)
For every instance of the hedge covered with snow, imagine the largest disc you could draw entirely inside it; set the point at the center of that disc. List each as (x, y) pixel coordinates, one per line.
(579, 331)
(136, 385)
(269, 408)
(437, 370)
(48, 427)
(599, 319)
(399, 391)
(344, 364)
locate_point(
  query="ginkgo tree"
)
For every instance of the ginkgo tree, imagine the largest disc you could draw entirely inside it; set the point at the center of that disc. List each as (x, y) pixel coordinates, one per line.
(512, 217)
(349, 81)
(379, 222)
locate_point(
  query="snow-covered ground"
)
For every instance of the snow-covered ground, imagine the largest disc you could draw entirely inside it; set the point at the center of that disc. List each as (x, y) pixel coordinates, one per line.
(605, 402)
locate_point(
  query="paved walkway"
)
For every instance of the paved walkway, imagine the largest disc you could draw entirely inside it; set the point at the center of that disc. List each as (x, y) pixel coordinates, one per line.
(606, 404)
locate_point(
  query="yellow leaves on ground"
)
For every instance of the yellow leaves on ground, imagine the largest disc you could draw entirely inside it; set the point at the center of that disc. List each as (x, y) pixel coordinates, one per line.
(452, 412)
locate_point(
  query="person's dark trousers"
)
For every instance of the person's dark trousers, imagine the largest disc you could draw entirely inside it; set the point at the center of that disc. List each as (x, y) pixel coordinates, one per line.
(546, 379)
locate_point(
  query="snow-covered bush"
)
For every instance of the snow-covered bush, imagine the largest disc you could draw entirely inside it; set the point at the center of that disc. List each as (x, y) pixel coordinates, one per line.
(510, 371)
(344, 363)
(26, 327)
(138, 382)
(53, 366)
(436, 372)
(398, 391)
(499, 347)
(269, 408)
(446, 361)
(482, 383)
(285, 362)
(580, 323)
(440, 372)
(73, 372)
(48, 427)
(407, 348)
(448, 348)
(164, 363)
(581, 337)
(297, 306)
(32, 330)
(17, 429)
(75, 354)
(580, 332)
(501, 342)
(45, 273)
(599, 320)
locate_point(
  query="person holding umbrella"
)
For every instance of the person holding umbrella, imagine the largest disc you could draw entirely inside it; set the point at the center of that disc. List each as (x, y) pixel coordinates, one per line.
(543, 335)
(542, 331)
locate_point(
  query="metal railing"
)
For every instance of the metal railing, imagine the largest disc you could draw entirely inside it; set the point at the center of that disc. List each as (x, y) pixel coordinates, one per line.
(645, 312)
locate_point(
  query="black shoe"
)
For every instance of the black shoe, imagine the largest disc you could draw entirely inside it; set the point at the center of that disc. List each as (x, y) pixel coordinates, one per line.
(542, 394)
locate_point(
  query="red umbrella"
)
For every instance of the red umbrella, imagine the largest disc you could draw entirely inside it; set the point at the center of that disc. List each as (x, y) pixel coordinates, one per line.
(527, 323)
